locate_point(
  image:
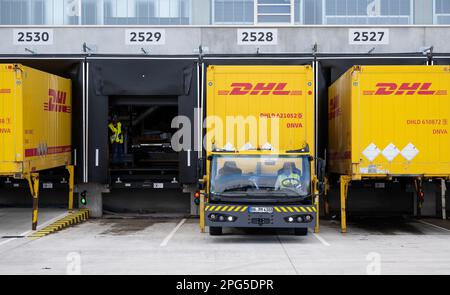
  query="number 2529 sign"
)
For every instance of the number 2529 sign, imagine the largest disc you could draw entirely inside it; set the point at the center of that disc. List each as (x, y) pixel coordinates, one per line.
(145, 37)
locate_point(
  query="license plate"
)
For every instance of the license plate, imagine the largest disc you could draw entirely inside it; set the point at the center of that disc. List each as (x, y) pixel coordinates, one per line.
(47, 185)
(261, 210)
(158, 185)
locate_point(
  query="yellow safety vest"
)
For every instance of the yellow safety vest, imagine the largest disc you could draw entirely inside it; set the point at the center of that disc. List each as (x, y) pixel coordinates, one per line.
(283, 177)
(116, 136)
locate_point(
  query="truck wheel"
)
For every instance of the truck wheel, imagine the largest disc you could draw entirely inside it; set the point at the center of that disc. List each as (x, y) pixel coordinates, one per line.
(301, 231)
(215, 231)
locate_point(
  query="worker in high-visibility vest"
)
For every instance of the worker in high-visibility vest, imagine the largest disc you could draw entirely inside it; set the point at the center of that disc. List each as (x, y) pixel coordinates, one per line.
(289, 178)
(116, 140)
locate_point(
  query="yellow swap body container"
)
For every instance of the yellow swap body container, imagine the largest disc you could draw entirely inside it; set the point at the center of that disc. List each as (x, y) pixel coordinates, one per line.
(390, 121)
(261, 94)
(35, 120)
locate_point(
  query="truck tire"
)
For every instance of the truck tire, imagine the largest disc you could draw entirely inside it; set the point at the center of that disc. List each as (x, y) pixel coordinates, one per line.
(215, 231)
(300, 231)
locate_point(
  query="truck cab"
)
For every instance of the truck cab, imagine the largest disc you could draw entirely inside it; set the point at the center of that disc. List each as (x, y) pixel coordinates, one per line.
(260, 189)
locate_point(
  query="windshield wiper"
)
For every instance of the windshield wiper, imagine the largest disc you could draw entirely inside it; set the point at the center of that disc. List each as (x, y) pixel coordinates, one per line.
(238, 189)
(230, 194)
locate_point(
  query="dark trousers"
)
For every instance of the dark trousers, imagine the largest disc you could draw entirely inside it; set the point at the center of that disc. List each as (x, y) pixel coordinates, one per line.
(117, 153)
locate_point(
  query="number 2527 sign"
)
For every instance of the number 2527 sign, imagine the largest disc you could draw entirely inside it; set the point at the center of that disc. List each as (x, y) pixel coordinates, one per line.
(368, 36)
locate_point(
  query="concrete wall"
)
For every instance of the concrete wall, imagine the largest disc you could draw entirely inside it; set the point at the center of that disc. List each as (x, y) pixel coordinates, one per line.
(223, 40)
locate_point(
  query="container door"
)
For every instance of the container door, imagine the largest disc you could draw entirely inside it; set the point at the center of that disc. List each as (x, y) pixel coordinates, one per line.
(9, 117)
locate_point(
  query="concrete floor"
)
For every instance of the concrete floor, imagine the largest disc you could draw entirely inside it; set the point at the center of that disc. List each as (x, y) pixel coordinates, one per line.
(175, 246)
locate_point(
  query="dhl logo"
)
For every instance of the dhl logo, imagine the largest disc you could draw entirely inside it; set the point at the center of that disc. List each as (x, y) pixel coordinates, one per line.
(260, 89)
(57, 102)
(404, 89)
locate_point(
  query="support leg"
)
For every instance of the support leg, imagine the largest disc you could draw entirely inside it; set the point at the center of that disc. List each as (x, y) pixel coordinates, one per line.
(317, 205)
(325, 195)
(344, 181)
(202, 212)
(420, 196)
(70, 169)
(33, 182)
(443, 202)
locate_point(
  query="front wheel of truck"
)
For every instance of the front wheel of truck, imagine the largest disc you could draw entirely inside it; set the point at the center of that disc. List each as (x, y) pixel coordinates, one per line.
(301, 231)
(215, 231)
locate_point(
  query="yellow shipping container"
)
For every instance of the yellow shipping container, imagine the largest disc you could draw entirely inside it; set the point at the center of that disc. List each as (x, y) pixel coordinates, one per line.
(390, 121)
(257, 95)
(35, 120)
(260, 147)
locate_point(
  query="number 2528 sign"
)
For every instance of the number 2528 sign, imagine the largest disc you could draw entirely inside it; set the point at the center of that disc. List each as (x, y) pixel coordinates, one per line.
(257, 36)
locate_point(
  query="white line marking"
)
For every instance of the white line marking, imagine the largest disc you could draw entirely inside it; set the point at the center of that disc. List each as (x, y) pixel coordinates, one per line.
(24, 234)
(189, 158)
(433, 225)
(172, 233)
(322, 240)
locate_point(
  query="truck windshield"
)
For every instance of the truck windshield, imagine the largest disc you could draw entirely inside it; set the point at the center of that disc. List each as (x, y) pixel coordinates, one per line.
(265, 176)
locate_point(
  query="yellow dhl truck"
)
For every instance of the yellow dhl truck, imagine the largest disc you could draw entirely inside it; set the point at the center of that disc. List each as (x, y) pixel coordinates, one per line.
(35, 126)
(260, 139)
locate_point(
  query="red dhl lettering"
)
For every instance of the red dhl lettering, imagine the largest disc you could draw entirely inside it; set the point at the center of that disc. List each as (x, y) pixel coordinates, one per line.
(5, 130)
(271, 88)
(57, 102)
(404, 89)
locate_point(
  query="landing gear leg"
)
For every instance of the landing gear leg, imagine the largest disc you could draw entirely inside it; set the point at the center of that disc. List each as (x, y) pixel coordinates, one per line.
(420, 195)
(345, 180)
(443, 201)
(70, 169)
(202, 213)
(33, 182)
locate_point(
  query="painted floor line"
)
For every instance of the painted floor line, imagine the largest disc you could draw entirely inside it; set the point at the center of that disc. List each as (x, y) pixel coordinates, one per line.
(24, 234)
(322, 240)
(433, 225)
(172, 233)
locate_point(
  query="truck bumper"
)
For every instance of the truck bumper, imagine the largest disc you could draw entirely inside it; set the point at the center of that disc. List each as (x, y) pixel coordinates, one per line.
(291, 216)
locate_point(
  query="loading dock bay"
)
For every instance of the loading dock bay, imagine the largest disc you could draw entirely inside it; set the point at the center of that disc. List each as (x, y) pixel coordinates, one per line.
(173, 245)
(170, 243)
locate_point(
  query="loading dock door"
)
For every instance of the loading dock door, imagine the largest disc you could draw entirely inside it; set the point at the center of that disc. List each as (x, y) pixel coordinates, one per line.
(136, 78)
